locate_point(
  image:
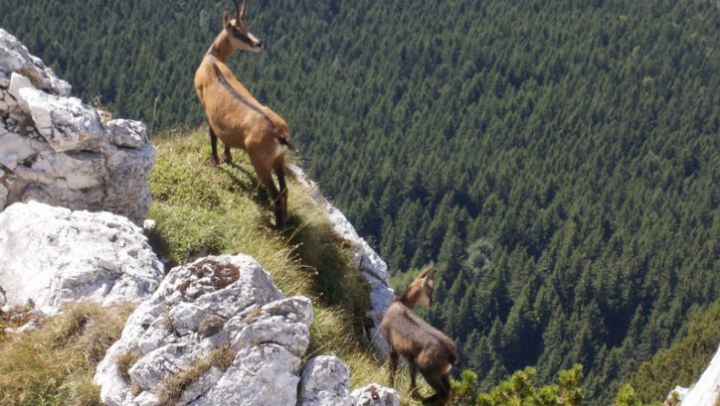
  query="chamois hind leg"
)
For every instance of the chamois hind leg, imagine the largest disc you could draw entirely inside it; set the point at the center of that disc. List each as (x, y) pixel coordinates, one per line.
(279, 166)
(265, 175)
(227, 156)
(413, 381)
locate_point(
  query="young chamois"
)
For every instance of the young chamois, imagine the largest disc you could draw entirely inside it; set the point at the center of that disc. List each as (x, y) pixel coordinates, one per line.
(236, 117)
(424, 347)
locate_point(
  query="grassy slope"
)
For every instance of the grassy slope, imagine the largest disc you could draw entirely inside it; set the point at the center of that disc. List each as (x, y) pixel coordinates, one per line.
(201, 210)
(204, 210)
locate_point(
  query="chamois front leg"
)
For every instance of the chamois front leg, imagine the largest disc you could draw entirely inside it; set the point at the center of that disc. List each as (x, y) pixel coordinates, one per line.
(213, 146)
(441, 384)
(226, 157)
(393, 361)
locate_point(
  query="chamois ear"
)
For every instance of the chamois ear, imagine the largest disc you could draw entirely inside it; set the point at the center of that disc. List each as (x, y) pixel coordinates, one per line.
(425, 271)
(226, 18)
(427, 274)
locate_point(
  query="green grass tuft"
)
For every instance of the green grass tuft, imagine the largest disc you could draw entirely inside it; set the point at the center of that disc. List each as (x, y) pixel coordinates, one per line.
(173, 386)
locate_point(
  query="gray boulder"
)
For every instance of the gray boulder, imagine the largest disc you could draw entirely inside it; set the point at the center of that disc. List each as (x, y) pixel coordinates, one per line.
(214, 309)
(375, 395)
(54, 256)
(57, 150)
(325, 382)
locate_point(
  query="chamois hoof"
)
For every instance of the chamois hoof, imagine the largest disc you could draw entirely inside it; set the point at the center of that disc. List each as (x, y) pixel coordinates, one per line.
(227, 158)
(212, 162)
(435, 400)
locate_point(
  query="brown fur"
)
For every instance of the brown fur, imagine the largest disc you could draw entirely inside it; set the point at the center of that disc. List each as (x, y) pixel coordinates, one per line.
(237, 118)
(425, 348)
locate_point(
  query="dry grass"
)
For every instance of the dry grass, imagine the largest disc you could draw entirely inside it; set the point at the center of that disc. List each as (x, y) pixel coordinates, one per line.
(55, 364)
(172, 388)
(125, 361)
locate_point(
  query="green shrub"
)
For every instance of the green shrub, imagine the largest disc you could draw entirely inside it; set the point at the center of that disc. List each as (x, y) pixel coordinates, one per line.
(518, 390)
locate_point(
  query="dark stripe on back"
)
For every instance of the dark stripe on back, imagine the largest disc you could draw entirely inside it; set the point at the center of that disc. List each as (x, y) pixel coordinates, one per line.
(223, 81)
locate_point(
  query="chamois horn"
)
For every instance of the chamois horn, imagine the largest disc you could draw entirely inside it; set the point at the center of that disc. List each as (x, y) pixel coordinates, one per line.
(240, 10)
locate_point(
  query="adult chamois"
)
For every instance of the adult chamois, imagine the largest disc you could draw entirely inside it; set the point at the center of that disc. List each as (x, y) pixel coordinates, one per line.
(236, 117)
(424, 347)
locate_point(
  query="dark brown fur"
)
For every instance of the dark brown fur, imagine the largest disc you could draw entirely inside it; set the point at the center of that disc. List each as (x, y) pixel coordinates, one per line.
(425, 348)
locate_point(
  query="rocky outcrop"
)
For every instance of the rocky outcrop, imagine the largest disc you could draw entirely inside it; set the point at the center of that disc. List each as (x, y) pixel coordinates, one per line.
(57, 150)
(325, 382)
(372, 268)
(220, 329)
(53, 256)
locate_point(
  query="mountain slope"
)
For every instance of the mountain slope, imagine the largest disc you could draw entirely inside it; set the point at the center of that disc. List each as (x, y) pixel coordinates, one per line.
(557, 160)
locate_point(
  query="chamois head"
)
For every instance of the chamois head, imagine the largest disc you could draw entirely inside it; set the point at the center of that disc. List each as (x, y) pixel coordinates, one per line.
(420, 291)
(238, 30)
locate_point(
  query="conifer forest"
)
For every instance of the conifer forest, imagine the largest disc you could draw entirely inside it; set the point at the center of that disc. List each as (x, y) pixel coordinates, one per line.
(558, 161)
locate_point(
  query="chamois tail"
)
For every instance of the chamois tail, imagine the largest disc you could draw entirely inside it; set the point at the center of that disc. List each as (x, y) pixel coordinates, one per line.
(452, 355)
(283, 139)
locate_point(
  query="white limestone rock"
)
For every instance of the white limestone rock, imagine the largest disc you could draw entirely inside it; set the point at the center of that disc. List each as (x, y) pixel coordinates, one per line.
(4, 80)
(3, 192)
(325, 382)
(65, 122)
(61, 151)
(375, 395)
(261, 375)
(225, 301)
(372, 268)
(127, 133)
(17, 83)
(54, 256)
(3, 301)
(15, 57)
